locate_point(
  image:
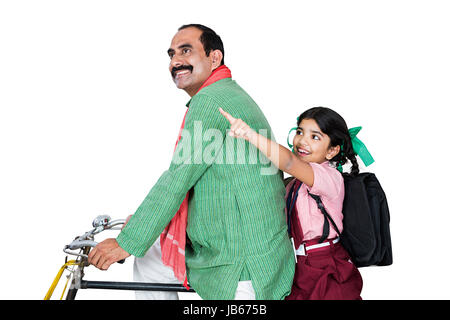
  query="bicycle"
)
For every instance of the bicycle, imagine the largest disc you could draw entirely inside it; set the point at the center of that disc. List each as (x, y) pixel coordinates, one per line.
(84, 244)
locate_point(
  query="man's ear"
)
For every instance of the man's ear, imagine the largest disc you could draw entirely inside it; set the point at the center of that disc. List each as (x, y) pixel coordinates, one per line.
(216, 58)
(332, 152)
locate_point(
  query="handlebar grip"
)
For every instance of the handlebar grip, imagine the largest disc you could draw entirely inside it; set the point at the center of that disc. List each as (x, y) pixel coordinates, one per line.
(77, 244)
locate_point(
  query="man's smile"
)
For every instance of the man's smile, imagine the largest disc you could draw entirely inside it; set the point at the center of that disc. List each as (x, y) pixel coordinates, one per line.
(181, 73)
(178, 72)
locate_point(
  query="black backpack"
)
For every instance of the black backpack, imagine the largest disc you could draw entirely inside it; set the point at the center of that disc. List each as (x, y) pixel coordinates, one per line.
(366, 234)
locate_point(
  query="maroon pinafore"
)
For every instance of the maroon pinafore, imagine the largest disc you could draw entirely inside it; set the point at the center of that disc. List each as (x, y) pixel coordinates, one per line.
(324, 273)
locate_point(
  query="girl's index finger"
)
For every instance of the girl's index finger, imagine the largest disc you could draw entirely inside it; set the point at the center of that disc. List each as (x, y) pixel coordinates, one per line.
(228, 116)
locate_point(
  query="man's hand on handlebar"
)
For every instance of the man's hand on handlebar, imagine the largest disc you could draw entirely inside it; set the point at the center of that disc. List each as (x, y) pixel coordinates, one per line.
(106, 253)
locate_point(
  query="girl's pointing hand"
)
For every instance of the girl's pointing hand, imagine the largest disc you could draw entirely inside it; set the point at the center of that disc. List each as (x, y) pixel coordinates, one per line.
(238, 128)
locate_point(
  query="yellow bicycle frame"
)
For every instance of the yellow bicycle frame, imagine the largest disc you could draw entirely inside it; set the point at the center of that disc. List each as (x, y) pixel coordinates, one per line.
(58, 277)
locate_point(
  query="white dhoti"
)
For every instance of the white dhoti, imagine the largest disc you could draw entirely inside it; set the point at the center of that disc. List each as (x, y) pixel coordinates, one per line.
(150, 268)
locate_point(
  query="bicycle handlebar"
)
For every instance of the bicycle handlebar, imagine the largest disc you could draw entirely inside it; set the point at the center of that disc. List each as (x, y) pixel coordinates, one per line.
(78, 244)
(100, 224)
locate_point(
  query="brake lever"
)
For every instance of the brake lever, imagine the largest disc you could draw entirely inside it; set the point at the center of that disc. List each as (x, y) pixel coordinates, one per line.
(100, 223)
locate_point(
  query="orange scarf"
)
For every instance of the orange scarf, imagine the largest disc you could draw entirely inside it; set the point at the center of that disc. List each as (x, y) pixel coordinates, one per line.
(173, 238)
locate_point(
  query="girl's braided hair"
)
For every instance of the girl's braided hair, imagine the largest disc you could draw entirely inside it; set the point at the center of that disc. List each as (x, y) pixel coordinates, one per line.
(333, 125)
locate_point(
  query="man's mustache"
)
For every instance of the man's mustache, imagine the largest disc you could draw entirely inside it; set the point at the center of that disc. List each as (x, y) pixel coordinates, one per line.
(184, 67)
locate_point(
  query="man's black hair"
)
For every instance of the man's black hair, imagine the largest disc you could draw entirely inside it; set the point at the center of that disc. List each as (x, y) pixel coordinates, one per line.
(209, 39)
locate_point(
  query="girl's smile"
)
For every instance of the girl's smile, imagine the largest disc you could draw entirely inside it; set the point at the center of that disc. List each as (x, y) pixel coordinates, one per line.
(302, 152)
(311, 144)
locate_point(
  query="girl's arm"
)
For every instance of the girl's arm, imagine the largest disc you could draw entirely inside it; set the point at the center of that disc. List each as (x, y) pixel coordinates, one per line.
(280, 156)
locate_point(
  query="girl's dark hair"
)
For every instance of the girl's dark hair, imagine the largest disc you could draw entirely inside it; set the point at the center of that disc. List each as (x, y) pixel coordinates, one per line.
(210, 40)
(333, 125)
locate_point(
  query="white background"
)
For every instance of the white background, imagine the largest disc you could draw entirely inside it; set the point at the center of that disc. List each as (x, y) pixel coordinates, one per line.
(89, 117)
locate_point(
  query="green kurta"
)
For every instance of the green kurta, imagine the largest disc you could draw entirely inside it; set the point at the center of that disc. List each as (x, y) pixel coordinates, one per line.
(236, 221)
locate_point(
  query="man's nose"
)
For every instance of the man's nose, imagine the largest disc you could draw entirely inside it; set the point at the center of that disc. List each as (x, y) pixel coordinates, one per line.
(176, 61)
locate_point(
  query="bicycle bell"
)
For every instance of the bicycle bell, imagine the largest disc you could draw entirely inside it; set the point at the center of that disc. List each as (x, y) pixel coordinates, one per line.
(101, 220)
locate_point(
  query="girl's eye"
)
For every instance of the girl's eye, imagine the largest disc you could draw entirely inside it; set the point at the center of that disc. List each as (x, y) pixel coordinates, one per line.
(315, 137)
(299, 132)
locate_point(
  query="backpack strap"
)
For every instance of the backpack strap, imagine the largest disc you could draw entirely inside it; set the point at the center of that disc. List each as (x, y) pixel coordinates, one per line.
(290, 203)
(326, 218)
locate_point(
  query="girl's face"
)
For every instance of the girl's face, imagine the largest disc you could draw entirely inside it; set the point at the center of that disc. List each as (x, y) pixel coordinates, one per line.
(311, 144)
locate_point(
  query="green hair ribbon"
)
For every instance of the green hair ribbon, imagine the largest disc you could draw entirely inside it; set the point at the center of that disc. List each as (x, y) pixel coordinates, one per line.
(290, 145)
(359, 148)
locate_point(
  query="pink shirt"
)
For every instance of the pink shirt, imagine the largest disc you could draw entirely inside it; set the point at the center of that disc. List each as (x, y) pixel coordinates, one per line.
(329, 185)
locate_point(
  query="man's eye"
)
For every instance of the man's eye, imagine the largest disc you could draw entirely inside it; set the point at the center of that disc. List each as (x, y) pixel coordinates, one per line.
(186, 50)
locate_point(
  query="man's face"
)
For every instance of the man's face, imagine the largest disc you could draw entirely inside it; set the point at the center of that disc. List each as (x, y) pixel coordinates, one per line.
(189, 65)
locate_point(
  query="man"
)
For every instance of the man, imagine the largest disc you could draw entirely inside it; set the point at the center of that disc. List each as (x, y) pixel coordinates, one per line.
(235, 222)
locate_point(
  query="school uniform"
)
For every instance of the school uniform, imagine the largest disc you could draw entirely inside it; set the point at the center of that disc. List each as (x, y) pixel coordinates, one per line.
(324, 271)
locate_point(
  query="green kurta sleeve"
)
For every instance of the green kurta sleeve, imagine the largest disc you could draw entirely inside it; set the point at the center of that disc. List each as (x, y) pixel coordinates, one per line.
(187, 166)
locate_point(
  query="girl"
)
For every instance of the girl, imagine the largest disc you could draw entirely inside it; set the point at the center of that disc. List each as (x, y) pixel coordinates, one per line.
(322, 143)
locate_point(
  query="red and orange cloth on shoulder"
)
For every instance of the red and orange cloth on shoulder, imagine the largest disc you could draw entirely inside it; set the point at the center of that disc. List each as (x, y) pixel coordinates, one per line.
(173, 238)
